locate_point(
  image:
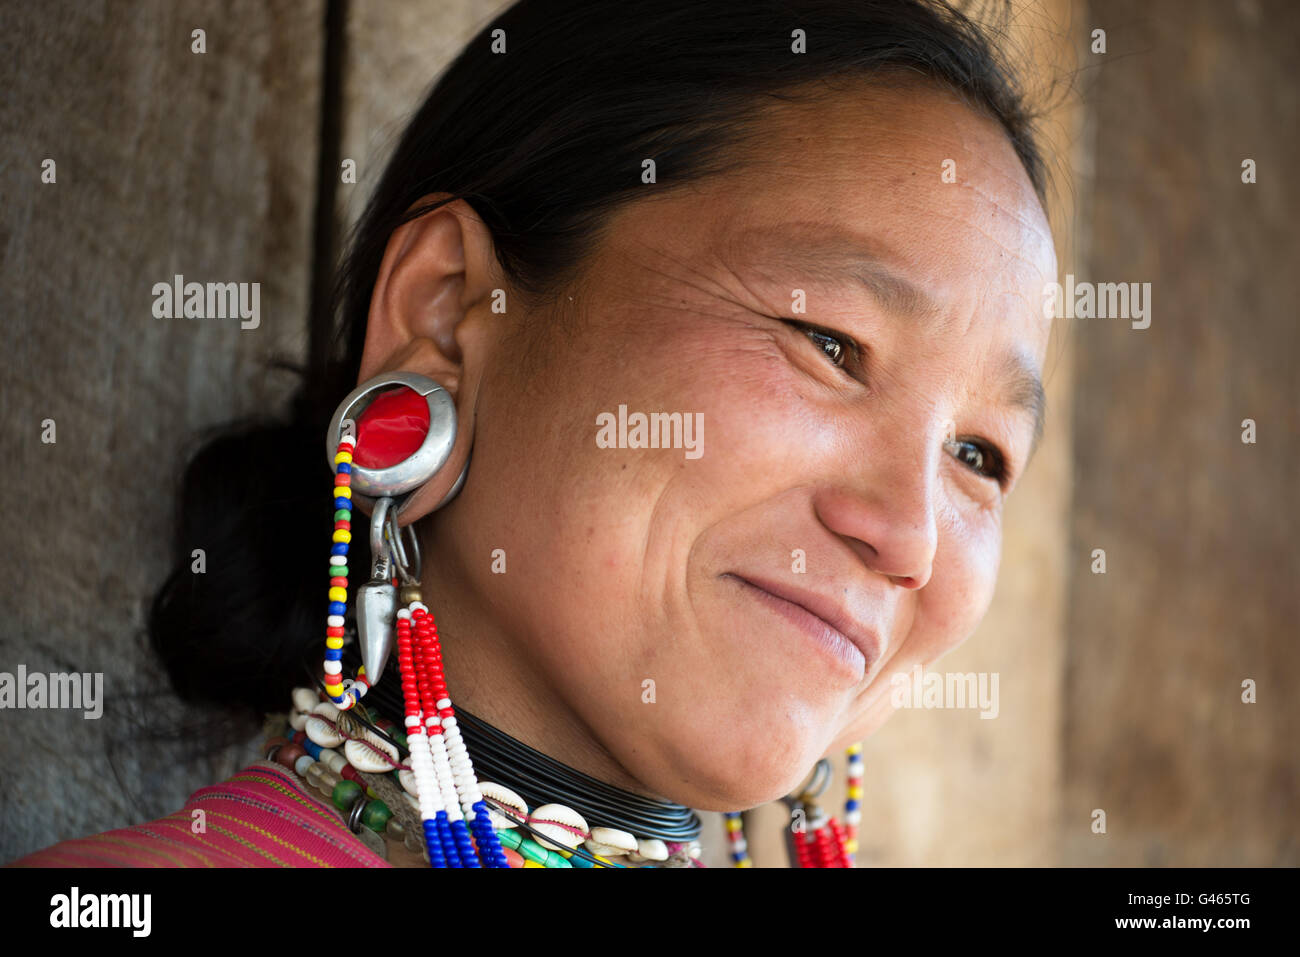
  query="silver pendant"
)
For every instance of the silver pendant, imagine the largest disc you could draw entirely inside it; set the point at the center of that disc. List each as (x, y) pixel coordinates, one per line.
(377, 600)
(376, 621)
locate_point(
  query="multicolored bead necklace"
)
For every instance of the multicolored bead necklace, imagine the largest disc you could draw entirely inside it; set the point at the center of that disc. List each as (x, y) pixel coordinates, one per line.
(552, 835)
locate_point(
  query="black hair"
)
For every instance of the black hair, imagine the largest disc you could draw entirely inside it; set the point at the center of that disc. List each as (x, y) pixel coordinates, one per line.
(543, 141)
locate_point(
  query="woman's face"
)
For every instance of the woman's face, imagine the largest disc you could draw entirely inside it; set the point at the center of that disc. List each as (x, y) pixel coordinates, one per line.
(641, 585)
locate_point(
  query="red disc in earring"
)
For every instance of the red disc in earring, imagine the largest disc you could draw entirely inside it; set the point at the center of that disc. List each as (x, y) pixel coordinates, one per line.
(391, 428)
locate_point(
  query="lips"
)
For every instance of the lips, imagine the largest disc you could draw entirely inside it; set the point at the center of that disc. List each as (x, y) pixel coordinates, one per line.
(833, 614)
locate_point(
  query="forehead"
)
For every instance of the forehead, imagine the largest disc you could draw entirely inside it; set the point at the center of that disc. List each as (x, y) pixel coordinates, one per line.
(910, 172)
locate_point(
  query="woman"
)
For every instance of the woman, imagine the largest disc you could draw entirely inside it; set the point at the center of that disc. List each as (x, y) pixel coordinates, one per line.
(812, 235)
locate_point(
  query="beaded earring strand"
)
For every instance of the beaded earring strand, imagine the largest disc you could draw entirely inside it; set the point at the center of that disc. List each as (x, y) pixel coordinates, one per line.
(451, 804)
(344, 693)
(853, 802)
(438, 754)
(735, 825)
(823, 842)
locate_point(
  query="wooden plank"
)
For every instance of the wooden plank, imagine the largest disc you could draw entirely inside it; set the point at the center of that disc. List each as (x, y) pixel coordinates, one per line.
(1199, 529)
(167, 162)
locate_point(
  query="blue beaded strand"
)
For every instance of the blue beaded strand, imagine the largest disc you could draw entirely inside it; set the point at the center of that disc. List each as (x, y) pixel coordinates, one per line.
(431, 841)
(485, 836)
(449, 848)
(461, 833)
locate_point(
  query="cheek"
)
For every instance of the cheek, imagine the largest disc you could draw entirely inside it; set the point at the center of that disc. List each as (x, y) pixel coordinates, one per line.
(947, 610)
(965, 575)
(576, 519)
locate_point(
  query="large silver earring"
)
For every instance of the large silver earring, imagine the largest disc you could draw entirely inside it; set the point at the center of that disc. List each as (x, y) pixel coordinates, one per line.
(381, 489)
(420, 466)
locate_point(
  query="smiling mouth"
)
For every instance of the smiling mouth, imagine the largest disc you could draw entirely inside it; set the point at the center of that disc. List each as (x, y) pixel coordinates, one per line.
(850, 647)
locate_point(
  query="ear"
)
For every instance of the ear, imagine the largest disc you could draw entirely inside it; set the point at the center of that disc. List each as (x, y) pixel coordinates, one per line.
(430, 313)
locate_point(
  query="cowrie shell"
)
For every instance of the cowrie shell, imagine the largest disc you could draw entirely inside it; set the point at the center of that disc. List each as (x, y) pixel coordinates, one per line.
(501, 793)
(304, 699)
(362, 754)
(319, 731)
(613, 840)
(407, 778)
(559, 828)
(652, 849)
(604, 850)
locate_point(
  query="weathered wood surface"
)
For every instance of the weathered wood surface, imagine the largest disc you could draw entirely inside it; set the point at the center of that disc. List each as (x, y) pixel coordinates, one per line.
(1199, 529)
(167, 161)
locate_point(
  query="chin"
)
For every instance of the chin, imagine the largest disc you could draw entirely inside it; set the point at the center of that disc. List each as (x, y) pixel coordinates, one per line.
(733, 759)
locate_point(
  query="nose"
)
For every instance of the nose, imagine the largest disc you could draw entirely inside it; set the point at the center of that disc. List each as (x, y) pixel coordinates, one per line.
(888, 515)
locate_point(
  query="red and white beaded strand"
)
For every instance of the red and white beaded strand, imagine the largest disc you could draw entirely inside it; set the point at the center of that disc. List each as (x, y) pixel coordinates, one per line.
(823, 841)
(443, 766)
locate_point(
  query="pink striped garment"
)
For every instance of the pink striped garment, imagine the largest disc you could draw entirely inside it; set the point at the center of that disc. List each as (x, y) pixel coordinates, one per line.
(260, 817)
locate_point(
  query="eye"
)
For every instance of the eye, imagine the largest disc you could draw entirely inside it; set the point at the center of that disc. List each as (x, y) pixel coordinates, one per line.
(980, 457)
(836, 347)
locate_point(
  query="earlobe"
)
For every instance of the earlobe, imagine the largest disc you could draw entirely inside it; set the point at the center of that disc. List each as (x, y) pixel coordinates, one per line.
(440, 410)
(403, 425)
(448, 482)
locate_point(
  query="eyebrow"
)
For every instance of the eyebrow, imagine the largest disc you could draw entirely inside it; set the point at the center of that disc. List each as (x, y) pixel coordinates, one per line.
(831, 255)
(1024, 390)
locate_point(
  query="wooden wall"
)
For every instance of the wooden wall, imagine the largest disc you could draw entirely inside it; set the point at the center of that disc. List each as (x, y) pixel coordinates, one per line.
(166, 161)
(1201, 587)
